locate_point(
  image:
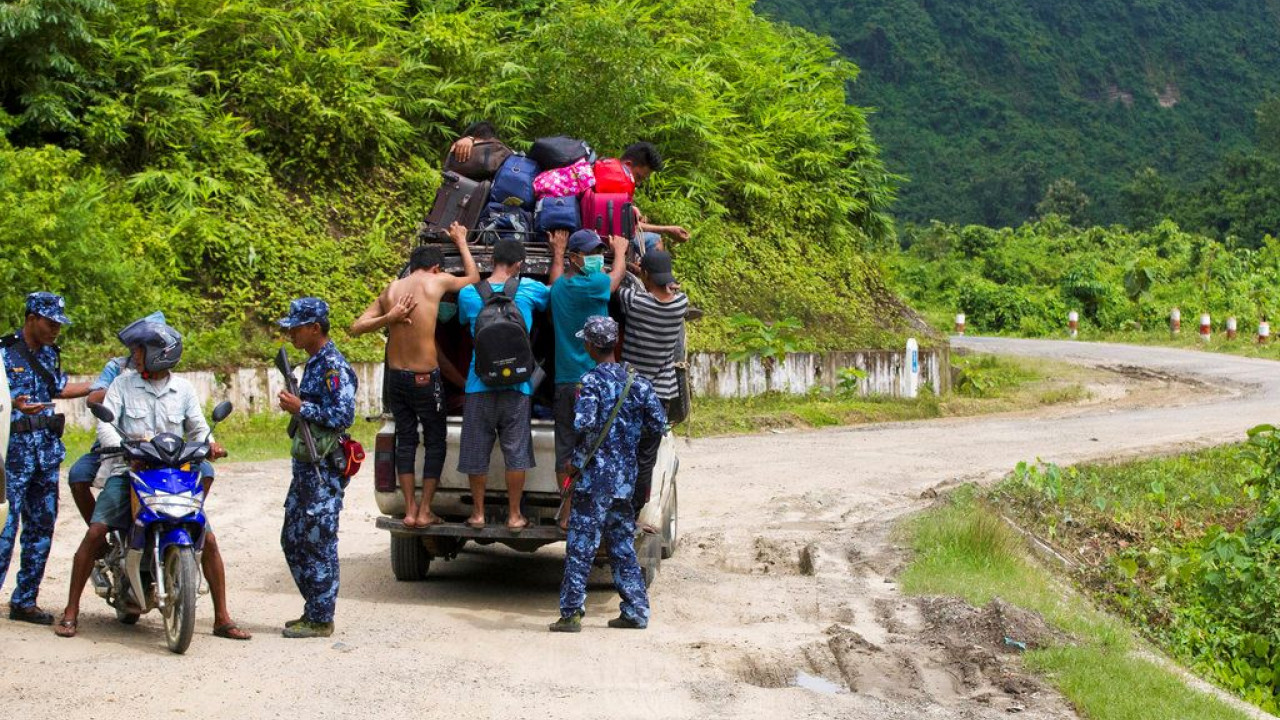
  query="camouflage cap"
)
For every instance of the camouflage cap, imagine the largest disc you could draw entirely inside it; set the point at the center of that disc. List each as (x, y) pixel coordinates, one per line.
(599, 331)
(303, 311)
(48, 305)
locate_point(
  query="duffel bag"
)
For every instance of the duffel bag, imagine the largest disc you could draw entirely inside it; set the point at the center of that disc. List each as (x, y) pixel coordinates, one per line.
(613, 177)
(485, 161)
(559, 151)
(556, 214)
(564, 182)
(504, 222)
(515, 180)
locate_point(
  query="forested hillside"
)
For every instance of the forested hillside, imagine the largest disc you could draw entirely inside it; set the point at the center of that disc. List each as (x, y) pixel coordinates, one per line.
(215, 158)
(984, 105)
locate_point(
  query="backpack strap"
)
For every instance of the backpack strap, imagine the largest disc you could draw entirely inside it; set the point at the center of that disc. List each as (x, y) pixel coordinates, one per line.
(15, 343)
(604, 432)
(511, 287)
(484, 289)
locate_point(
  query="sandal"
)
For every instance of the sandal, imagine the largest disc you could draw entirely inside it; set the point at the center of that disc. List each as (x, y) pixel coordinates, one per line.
(231, 631)
(66, 628)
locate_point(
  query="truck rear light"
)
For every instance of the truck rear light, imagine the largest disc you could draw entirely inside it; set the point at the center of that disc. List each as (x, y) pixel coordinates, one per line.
(384, 465)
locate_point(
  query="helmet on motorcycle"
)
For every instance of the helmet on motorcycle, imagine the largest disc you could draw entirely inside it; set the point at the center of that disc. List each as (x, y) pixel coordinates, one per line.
(161, 343)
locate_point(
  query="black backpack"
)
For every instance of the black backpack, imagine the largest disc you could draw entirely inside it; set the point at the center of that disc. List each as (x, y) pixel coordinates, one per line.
(504, 355)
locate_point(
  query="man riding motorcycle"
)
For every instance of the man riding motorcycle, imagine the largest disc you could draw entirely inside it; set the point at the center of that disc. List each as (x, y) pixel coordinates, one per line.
(147, 401)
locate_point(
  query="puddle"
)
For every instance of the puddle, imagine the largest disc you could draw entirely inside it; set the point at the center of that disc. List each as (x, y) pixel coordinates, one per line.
(816, 684)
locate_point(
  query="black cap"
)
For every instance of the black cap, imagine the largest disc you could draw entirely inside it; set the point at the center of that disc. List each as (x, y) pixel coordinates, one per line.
(658, 264)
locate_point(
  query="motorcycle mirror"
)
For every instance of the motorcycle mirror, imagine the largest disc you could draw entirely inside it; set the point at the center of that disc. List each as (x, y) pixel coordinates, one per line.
(221, 412)
(102, 412)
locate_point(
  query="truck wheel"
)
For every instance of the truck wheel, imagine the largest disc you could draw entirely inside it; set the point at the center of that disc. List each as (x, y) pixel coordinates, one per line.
(670, 525)
(409, 560)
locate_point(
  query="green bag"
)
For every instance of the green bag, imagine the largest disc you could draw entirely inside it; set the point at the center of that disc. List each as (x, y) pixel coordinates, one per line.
(325, 439)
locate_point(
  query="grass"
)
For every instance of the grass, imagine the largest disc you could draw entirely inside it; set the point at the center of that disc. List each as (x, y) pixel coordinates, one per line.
(962, 548)
(1003, 385)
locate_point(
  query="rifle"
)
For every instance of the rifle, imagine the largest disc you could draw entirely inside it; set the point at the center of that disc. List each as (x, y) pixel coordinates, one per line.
(291, 385)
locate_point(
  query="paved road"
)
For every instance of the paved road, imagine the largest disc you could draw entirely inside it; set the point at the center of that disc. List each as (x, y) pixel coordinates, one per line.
(784, 573)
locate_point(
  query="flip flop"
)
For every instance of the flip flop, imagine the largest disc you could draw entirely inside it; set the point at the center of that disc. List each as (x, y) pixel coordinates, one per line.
(231, 631)
(515, 529)
(66, 628)
(430, 523)
(474, 524)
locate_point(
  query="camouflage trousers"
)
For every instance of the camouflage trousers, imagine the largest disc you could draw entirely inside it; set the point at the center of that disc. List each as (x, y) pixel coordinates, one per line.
(310, 537)
(33, 502)
(593, 518)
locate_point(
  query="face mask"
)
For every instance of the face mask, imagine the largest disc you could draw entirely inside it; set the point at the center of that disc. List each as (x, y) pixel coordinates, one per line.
(447, 311)
(592, 263)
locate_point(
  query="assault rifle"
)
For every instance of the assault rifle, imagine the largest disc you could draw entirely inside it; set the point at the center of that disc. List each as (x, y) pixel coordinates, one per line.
(291, 385)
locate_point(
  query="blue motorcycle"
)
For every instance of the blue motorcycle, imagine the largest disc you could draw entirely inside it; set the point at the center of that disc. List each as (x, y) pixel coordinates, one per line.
(155, 563)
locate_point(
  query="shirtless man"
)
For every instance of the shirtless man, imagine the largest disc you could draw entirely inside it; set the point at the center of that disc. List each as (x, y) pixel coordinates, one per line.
(408, 309)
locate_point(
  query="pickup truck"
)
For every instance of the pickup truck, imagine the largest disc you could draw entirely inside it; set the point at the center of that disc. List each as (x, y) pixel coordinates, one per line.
(413, 549)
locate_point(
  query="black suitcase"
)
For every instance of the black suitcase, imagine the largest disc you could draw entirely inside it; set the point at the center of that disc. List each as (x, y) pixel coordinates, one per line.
(459, 200)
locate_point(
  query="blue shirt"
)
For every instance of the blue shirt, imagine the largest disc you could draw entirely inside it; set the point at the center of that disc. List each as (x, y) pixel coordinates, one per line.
(612, 470)
(328, 389)
(530, 298)
(42, 445)
(573, 300)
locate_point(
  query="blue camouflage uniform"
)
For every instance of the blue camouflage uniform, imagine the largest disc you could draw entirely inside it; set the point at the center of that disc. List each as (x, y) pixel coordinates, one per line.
(601, 505)
(310, 533)
(33, 456)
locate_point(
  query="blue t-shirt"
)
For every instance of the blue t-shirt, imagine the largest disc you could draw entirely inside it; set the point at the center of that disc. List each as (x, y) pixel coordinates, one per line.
(573, 300)
(530, 298)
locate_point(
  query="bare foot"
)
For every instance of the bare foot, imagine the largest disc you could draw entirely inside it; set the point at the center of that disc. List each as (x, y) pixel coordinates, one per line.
(427, 519)
(475, 523)
(517, 523)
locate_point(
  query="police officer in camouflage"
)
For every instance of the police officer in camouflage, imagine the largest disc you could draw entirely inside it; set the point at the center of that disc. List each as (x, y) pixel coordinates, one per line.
(33, 366)
(310, 534)
(601, 496)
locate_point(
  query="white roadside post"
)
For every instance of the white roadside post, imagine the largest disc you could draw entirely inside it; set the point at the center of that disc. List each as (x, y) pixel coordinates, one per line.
(1206, 327)
(1073, 323)
(960, 324)
(911, 373)
(1232, 328)
(1175, 321)
(1264, 332)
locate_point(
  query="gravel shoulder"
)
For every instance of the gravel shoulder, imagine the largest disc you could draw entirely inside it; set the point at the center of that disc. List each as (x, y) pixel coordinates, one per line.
(785, 568)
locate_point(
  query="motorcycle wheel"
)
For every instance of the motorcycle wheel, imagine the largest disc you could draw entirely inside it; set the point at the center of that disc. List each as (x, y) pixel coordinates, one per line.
(181, 582)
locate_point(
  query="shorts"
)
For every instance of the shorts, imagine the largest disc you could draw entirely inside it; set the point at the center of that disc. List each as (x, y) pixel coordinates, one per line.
(504, 416)
(566, 435)
(112, 508)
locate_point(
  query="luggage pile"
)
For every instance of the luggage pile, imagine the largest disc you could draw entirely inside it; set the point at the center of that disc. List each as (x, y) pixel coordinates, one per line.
(559, 185)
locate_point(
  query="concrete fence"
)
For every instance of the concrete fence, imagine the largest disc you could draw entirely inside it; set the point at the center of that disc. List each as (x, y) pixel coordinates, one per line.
(254, 390)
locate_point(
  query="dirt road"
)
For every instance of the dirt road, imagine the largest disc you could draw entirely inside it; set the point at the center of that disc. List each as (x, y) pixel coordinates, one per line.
(781, 576)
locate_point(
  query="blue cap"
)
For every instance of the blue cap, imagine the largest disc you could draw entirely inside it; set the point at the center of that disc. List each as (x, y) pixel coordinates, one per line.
(48, 305)
(600, 331)
(584, 241)
(303, 311)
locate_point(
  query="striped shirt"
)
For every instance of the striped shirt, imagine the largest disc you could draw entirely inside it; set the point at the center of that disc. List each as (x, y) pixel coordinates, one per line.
(652, 333)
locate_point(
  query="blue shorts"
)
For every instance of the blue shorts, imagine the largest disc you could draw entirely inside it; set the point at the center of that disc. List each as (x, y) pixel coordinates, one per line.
(112, 508)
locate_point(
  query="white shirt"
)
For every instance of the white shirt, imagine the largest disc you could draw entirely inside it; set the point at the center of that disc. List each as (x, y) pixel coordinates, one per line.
(144, 409)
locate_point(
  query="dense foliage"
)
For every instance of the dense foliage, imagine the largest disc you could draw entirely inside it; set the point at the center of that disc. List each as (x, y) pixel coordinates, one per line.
(1184, 546)
(1025, 280)
(216, 157)
(985, 105)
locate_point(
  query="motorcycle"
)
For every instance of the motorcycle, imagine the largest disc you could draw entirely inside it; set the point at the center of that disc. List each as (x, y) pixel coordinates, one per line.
(155, 563)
